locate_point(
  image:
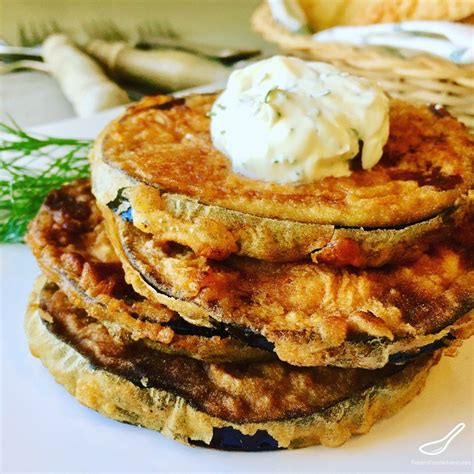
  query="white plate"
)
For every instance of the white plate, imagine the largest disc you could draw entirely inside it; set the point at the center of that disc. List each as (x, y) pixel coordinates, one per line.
(45, 429)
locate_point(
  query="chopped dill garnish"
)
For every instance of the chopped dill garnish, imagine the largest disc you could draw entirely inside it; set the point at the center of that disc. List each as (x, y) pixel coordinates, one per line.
(267, 95)
(272, 94)
(30, 167)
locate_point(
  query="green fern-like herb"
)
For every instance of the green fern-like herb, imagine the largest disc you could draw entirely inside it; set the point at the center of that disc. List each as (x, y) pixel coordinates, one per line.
(30, 167)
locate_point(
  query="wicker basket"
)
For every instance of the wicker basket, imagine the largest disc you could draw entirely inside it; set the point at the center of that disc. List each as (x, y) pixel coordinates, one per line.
(423, 78)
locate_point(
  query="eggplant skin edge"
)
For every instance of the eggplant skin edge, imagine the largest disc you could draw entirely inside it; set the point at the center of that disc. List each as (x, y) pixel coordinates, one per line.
(335, 241)
(120, 399)
(459, 326)
(283, 240)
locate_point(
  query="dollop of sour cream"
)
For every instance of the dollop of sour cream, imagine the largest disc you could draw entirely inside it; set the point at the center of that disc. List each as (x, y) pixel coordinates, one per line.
(286, 120)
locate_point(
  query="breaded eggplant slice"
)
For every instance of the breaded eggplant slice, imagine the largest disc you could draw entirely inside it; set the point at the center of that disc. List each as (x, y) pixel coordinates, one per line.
(69, 241)
(209, 344)
(311, 314)
(157, 164)
(255, 406)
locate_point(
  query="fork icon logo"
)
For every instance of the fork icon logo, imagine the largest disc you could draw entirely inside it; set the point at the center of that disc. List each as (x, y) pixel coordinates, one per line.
(434, 448)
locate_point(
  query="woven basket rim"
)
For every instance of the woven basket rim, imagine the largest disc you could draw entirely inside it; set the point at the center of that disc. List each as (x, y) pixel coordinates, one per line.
(263, 23)
(422, 78)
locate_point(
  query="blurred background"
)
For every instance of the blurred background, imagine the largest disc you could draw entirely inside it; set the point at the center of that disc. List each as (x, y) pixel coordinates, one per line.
(223, 23)
(215, 21)
(111, 52)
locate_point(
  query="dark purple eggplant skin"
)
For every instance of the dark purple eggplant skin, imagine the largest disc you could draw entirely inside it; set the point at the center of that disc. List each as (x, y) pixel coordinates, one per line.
(230, 439)
(404, 357)
(119, 200)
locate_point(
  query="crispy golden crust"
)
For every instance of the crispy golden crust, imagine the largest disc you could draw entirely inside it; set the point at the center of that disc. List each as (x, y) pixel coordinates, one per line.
(214, 232)
(186, 399)
(68, 239)
(313, 314)
(214, 348)
(164, 142)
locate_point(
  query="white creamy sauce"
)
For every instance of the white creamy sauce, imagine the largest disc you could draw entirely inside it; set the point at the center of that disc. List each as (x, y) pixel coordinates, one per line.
(290, 121)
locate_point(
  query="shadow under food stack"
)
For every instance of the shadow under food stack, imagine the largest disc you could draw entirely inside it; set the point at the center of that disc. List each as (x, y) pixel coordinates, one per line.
(238, 314)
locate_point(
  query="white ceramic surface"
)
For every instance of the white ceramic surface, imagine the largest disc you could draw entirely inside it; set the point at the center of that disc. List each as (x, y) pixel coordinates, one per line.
(44, 429)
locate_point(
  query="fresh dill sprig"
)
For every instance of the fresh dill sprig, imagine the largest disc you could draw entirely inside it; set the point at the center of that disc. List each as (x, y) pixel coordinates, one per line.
(30, 167)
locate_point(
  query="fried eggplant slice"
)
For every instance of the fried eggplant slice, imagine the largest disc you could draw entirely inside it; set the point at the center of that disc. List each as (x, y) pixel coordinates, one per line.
(159, 160)
(254, 406)
(69, 241)
(312, 314)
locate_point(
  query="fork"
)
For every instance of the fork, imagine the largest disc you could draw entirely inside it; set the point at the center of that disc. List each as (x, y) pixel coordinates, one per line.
(161, 35)
(6, 68)
(148, 35)
(36, 33)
